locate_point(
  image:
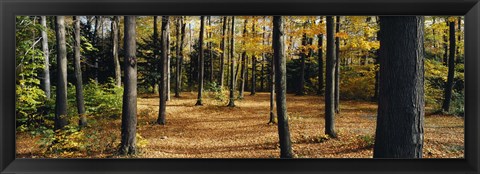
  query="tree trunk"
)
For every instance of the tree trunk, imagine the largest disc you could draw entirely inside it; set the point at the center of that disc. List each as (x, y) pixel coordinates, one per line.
(303, 55)
(96, 36)
(244, 63)
(210, 49)
(281, 87)
(168, 64)
(254, 65)
(320, 62)
(180, 67)
(337, 68)
(46, 54)
(445, 46)
(329, 83)
(118, 71)
(231, 102)
(222, 47)
(78, 75)
(61, 92)
(178, 56)
(451, 70)
(201, 63)
(272, 91)
(399, 132)
(163, 71)
(156, 52)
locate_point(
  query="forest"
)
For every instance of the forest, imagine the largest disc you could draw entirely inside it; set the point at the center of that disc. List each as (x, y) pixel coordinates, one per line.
(239, 86)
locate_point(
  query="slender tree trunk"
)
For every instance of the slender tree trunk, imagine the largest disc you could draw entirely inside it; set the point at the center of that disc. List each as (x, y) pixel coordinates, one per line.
(61, 92)
(210, 49)
(320, 61)
(330, 75)
(451, 70)
(78, 76)
(129, 108)
(168, 66)
(272, 91)
(231, 102)
(222, 47)
(399, 132)
(46, 54)
(303, 55)
(281, 87)
(98, 20)
(337, 68)
(118, 71)
(177, 52)
(156, 52)
(201, 63)
(254, 65)
(180, 67)
(244, 63)
(163, 71)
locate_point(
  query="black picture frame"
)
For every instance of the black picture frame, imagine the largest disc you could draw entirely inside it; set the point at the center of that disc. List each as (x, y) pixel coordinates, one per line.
(11, 8)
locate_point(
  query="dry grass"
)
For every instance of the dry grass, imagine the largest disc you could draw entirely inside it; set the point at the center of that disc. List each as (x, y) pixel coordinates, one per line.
(217, 131)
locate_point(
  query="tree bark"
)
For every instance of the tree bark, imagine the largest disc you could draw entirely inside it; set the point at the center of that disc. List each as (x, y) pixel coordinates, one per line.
(222, 47)
(337, 68)
(330, 75)
(61, 92)
(303, 55)
(244, 63)
(451, 69)
(399, 132)
(46, 53)
(178, 56)
(78, 75)
(129, 108)
(281, 87)
(163, 71)
(254, 65)
(201, 63)
(231, 102)
(118, 71)
(320, 61)
(272, 91)
(168, 57)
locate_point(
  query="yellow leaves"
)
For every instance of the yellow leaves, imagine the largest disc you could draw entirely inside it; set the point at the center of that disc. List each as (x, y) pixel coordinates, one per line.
(341, 35)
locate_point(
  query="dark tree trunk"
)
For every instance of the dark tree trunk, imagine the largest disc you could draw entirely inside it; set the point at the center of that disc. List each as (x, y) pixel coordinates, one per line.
(168, 57)
(451, 70)
(320, 62)
(281, 87)
(163, 71)
(254, 65)
(118, 71)
(129, 108)
(244, 64)
(201, 63)
(61, 92)
(337, 68)
(180, 67)
(178, 56)
(303, 55)
(399, 132)
(78, 76)
(46, 53)
(156, 51)
(210, 52)
(329, 82)
(222, 47)
(231, 102)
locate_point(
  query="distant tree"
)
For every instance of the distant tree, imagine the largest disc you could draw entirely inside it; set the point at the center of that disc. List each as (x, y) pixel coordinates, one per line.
(115, 38)
(399, 132)
(254, 65)
(129, 107)
(46, 53)
(281, 86)
(222, 47)
(303, 56)
(231, 102)
(330, 75)
(320, 61)
(179, 54)
(451, 69)
(201, 62)
(163, 69)
(78, 75)
(243, 73)
(61, 91)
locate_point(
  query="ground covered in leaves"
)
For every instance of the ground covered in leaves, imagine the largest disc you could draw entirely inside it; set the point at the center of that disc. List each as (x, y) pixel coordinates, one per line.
(217, 131)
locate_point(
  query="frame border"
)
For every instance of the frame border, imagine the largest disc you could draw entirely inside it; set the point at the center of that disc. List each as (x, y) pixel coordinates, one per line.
(10, 8)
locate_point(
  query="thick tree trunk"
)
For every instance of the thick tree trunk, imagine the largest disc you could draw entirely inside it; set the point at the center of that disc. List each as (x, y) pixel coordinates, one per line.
(329, 82)
(129, 109)
(222, 47)
(78, 76)
(281, 87)
(337, 68)
(231, 102)
(163, 71)
(451, 70)
(320, 62)
(399, 132)
(61, 92)
(46, 53)
(118, 71)
(201, 63)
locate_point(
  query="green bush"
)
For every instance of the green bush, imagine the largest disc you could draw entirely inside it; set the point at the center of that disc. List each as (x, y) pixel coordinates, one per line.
(102, 99)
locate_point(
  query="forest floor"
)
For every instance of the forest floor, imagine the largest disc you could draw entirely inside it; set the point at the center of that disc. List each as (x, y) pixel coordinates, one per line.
(216, 131)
